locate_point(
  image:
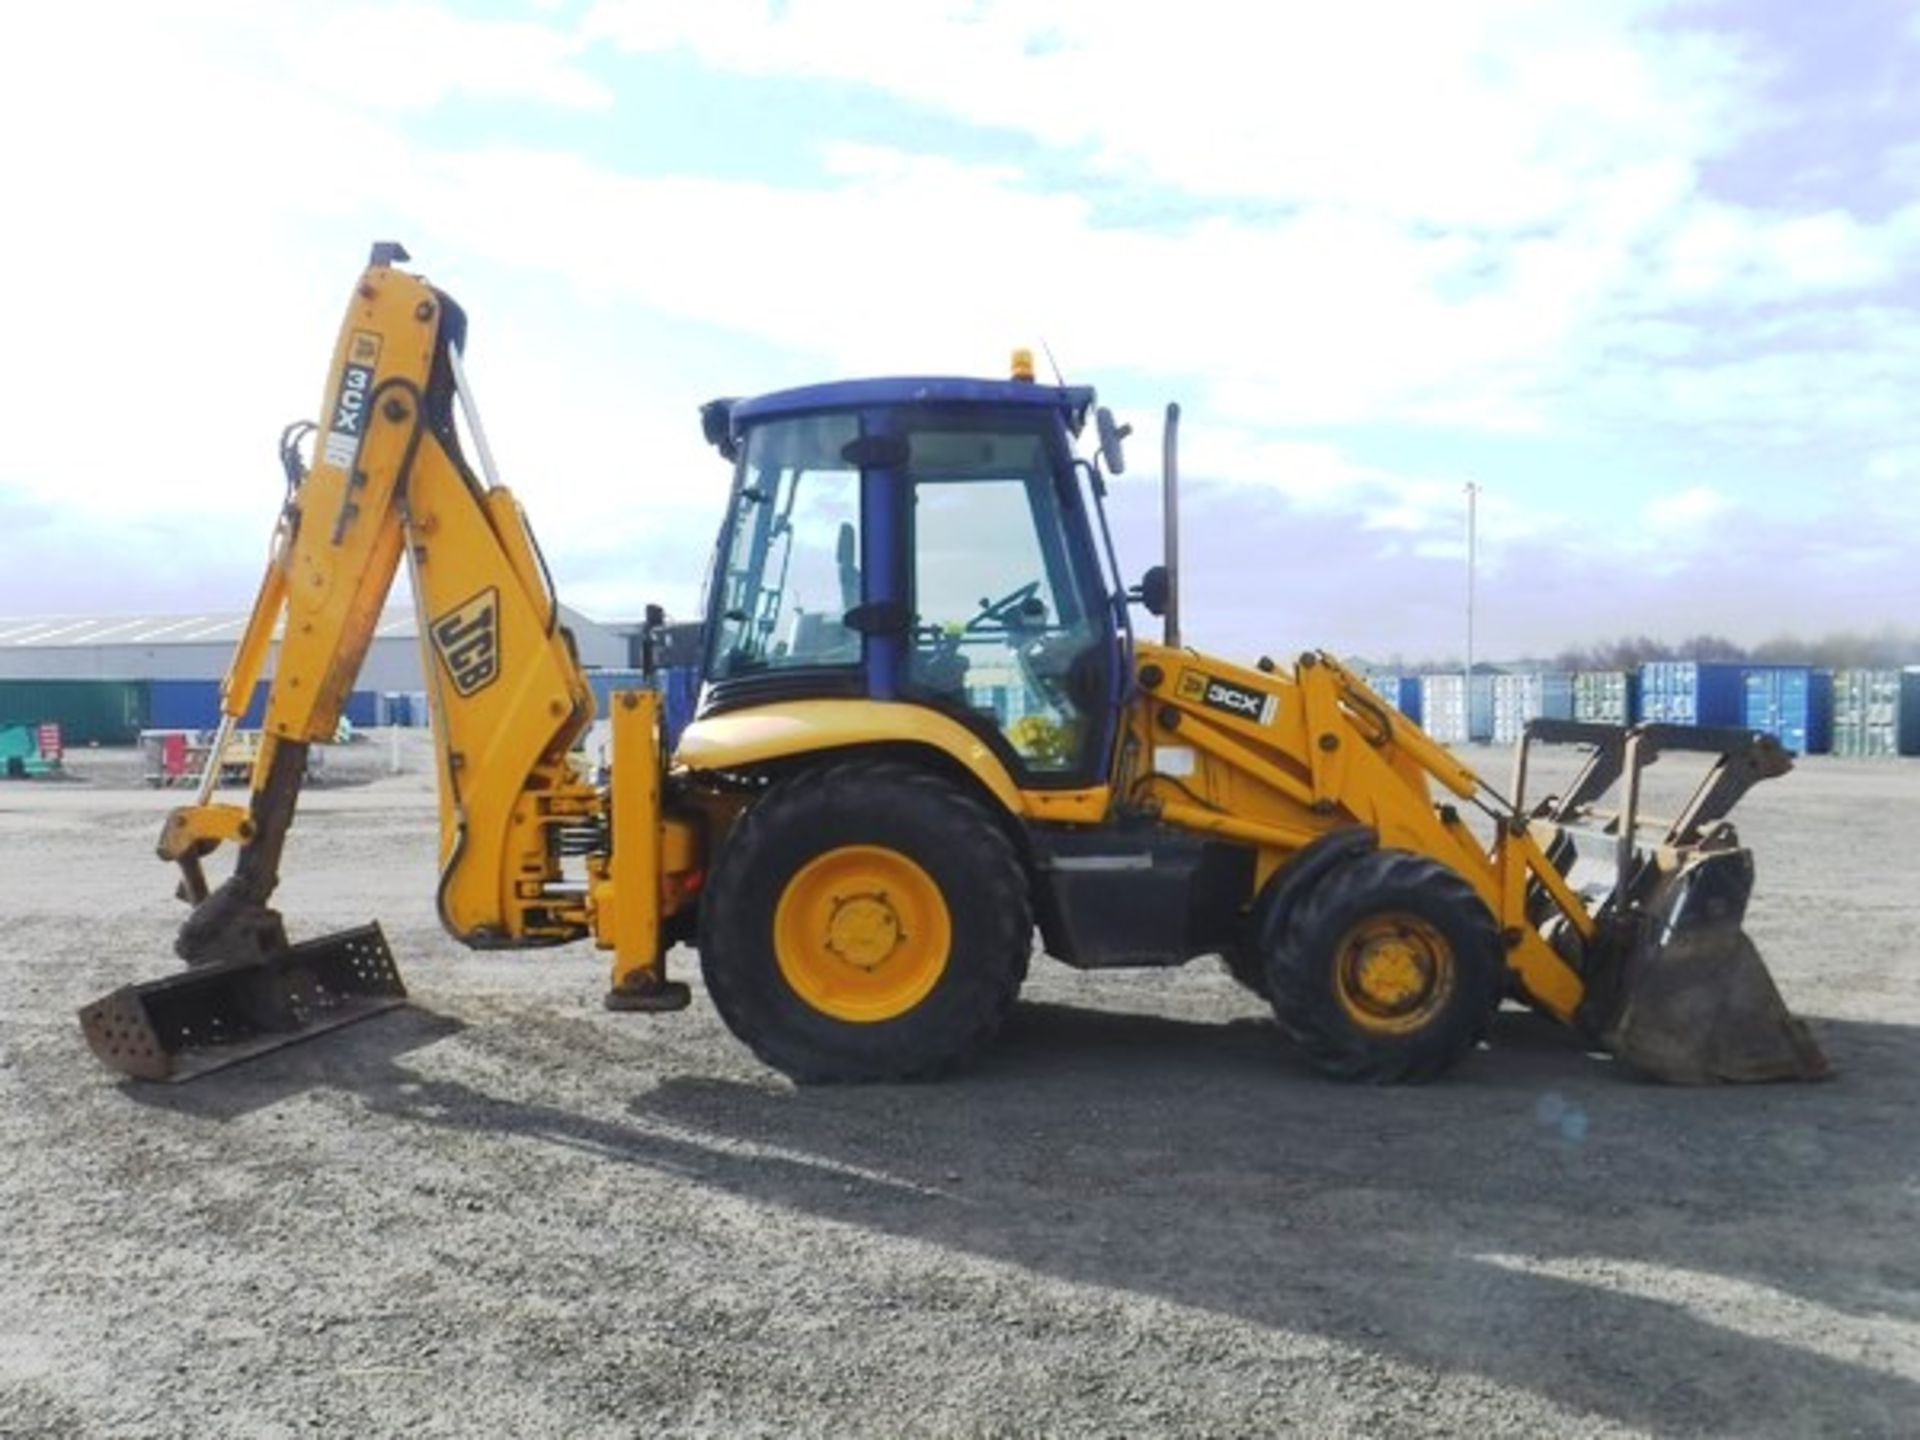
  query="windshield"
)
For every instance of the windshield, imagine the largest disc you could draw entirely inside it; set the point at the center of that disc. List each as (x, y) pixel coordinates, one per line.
(789, 570)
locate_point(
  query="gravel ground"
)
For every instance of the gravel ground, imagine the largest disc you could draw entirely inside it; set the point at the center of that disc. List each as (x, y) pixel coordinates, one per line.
(504, 1211)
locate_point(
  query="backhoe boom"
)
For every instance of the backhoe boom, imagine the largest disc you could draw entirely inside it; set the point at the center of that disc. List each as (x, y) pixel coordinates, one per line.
(508, 700)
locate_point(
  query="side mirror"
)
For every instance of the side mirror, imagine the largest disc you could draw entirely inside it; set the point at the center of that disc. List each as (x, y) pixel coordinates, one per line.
(716, 424)
(650, 627)
(1153, 591)
(1111, 434)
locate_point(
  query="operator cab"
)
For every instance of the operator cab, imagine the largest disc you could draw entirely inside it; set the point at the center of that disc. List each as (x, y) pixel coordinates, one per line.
(920, 540)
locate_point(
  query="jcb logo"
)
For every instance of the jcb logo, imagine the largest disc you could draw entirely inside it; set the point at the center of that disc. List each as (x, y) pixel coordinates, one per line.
(467, 638)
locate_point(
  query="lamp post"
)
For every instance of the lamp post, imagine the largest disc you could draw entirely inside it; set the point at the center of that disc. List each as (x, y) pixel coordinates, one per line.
(1473, 497)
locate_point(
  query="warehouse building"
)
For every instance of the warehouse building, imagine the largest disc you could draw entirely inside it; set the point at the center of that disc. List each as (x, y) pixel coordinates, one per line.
(199, 647)
(104, 680)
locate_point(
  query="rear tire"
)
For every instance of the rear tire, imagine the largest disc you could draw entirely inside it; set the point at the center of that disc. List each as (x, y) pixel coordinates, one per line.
(1387, 969)
(866, 920)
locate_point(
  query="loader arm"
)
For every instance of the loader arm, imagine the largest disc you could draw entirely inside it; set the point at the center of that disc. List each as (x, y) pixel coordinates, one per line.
(388, 483)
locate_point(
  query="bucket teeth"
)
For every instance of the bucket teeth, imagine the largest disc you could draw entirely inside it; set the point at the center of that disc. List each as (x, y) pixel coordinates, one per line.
(201, 1019)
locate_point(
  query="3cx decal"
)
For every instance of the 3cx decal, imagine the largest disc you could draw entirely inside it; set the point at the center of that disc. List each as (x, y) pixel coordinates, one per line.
(1228, 698)
(467, 639)
(349, 419)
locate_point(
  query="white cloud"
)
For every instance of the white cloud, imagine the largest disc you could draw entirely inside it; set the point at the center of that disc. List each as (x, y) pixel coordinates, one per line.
(415, 56)
(1492, 224)
(1685, 510)
(1486, 112)
(1725, 253)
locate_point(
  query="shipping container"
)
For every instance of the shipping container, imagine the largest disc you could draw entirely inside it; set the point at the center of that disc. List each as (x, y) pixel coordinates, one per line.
(678, 687)
(88, 712)
(195, 705)
(1683, 692)
(1792, 703)
(392, 708)
(1876, 712)
(1524, 695)
(1606, 697)
(604, 683)
(1866, 713)
(1400, 691)
(1443, 711)
(402, 708)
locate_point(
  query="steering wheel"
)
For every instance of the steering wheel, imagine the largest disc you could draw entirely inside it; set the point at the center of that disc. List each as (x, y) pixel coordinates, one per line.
(1011, 609)
(1020, 615)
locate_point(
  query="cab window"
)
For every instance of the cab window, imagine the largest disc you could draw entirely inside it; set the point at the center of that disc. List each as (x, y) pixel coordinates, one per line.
(789, 569)
(1001, 624)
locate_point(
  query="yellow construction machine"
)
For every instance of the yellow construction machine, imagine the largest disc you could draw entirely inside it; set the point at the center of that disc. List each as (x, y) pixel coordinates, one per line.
(926, 730)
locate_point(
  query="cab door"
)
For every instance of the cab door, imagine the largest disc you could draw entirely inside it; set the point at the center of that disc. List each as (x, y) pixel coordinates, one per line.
(1012, 629)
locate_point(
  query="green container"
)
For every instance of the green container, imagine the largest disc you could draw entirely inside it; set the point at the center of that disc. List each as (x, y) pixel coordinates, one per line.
(88, 712)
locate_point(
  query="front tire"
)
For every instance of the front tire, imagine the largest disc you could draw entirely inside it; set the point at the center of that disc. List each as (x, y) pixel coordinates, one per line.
(866, 920)
(1386, 969)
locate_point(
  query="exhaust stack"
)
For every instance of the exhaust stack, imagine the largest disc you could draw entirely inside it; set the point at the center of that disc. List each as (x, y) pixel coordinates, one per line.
(1170, 519)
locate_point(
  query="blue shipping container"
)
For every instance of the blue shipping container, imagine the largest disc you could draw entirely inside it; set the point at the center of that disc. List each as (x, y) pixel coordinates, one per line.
(403, 707)
(1685, 692)
(1408, 700)
(679, 687)
(1402, 692)
(604, 683)
(195, 705)
(1792, 703)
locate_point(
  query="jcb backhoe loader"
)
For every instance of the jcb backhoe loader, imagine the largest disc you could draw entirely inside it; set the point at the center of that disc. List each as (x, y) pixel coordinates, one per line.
(926, 729)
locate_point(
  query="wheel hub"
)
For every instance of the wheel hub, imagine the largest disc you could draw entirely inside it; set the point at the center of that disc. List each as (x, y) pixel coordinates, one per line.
(1392, 975)
(864, 931)
(1395, 973)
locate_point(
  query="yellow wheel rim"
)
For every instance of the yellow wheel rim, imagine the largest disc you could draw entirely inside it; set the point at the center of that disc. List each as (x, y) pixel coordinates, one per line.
(1393, 973)
(862, 933)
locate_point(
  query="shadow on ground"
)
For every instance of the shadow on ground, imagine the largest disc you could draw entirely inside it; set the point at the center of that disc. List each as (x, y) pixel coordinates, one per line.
(1666, 1258)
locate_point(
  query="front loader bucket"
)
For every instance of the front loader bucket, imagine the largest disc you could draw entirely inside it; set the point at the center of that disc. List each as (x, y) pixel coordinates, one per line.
(201, 1019)
(1693, 1001)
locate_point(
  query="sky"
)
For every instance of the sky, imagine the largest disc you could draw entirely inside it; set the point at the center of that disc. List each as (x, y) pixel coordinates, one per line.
(1645, 273)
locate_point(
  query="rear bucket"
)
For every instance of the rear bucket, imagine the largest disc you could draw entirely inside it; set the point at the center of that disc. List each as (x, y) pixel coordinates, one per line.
(1695, 1004)
(184, 1025)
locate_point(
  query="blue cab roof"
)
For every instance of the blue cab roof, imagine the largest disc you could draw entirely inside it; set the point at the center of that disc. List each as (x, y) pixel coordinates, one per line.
(1072, 400)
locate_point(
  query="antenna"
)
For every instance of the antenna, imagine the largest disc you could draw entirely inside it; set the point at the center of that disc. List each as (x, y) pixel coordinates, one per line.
(1052, 364)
